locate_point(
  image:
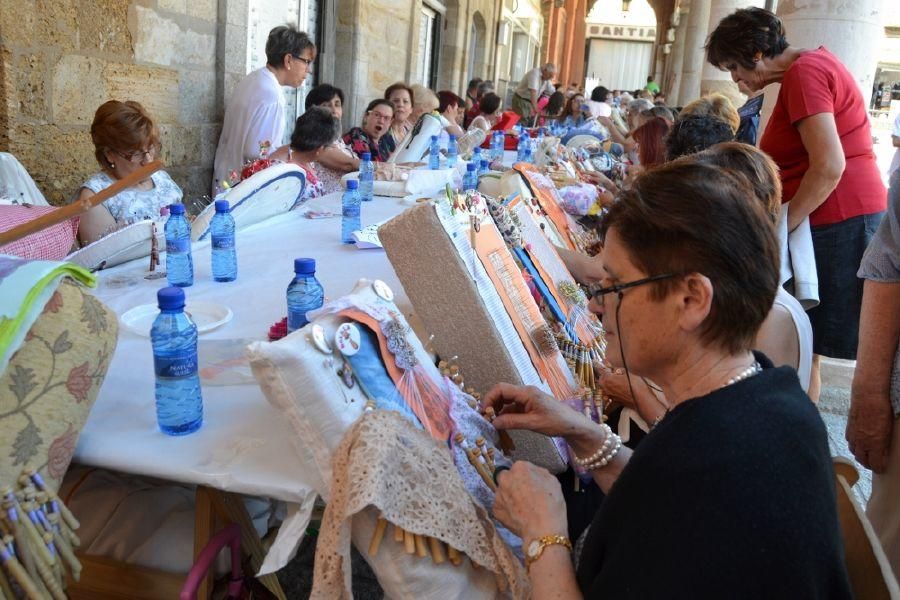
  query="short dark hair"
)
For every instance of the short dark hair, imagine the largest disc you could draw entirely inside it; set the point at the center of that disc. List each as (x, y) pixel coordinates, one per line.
(685, 217)
(314, 129)
(599, 94)
(750, 162)
(322, 93)
(555, 104)
(740, 35)
(284, 40)
(447, 99)
(400, 86)
(693, 134)
(473, 83)
(489, 103)
(378, 102)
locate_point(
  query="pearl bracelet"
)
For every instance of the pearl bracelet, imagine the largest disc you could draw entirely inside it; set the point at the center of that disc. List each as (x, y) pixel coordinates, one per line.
(604, 454)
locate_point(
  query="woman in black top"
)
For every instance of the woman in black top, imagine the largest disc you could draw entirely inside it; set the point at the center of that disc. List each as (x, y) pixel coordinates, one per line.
(731, 494)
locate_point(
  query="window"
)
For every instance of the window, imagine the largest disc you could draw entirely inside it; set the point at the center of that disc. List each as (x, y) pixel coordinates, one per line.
(429, 43)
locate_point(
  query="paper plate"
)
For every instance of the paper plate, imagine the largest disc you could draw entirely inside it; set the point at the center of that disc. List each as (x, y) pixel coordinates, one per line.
(206, 315)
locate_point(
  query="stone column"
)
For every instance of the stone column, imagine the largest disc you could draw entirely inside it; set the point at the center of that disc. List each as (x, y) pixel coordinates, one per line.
(695, 38)
(713, 79)
(676, 57)
(852, 31)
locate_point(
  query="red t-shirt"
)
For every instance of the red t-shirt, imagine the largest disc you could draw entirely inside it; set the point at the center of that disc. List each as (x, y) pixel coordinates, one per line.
(816, 83)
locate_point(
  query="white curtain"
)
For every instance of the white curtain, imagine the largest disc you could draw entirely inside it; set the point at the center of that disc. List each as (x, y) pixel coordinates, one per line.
(619, 65)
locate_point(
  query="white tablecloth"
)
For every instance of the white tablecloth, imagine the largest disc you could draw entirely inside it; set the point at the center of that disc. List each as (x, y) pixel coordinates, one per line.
(243, 445)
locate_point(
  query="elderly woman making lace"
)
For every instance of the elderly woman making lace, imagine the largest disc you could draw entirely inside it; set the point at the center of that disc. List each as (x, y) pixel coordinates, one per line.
(125, 138)
(731, 495)
(315, 130)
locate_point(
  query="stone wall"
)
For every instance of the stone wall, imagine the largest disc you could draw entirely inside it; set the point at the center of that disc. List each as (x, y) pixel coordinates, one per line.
(61, 59)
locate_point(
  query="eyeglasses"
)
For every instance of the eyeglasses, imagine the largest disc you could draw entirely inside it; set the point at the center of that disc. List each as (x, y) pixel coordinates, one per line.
(381, 116)
(137, 156)
(615, 289)
(306, 61)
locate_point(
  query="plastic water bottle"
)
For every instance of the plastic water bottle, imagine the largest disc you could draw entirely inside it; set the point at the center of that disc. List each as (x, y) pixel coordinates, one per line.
(476, 155)
(350, 220)
(179, 264)
(224, 254)
(470, 180)
(366, 177)
(524, 145)
(179, 405)
(452, 152)
(498, 146)
(434, 154)
(304, 294)
(528, 157)
(484, 167)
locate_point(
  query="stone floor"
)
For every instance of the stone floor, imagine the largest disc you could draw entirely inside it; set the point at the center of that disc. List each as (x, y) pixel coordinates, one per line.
(834, 403)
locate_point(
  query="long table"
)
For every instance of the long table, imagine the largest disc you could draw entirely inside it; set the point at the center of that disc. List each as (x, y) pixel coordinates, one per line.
(244, 446)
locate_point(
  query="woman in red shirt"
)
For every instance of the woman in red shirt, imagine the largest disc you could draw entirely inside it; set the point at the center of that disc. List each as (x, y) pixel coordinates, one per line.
(819, 137)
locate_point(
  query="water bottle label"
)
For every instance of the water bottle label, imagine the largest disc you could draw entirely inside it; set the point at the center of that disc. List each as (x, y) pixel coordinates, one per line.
(223, 242)
(174, 367)
(178, 245)
(350, 211)
(296, 320)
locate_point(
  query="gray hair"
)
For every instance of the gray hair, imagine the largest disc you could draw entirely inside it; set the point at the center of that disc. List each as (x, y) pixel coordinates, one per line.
(284, 40)
(639, 105)
(550, 68)
(484, 87)
(316, 128)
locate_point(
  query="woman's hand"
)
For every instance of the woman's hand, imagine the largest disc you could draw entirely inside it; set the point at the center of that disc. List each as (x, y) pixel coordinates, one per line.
(529, 502)
(870, 428)
(615, 385)
(527, 407)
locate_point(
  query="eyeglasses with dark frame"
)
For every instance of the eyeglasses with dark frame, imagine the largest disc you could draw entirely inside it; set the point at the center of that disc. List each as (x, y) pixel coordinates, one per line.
(137, 155)
(306, 61)
(615, 289)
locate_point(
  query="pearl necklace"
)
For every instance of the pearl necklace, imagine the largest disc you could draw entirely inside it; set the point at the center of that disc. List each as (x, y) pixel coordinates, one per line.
(749, 372)
(745, 374)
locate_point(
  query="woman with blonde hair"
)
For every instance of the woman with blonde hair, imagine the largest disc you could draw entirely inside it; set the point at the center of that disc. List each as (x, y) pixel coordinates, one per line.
(716, 106)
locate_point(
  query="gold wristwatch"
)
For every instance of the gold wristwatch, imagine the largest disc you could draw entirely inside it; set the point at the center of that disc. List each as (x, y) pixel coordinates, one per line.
(536, 547)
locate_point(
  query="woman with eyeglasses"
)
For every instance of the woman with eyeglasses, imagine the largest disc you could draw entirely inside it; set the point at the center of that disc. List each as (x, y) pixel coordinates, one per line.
(376, 122)
(125, 138)
(731, 494)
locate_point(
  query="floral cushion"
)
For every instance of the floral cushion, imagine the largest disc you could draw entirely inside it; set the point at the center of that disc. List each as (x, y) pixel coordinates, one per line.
(51, 383)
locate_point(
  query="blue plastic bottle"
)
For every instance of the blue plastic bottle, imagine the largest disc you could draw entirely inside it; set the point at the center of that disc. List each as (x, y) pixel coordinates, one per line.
(179, 264)
(484, 167)
(304, 294)
(366, 176)
(470, 180)
(452, 152)
(179, 404)
(524, 145)
(498, 143)
(476, 155)
(224, 253)
(434, 154)
(350, 219)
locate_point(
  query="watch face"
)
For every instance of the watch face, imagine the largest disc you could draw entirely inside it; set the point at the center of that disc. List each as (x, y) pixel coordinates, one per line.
(533, 548)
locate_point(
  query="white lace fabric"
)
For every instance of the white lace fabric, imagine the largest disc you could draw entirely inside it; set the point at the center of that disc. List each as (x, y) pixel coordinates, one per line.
(410, 478)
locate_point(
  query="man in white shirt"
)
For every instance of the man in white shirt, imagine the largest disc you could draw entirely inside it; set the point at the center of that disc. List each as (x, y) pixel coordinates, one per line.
(255, 113)
(534, 84)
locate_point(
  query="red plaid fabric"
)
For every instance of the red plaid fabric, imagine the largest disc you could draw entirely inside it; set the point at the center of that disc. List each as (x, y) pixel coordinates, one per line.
(52, 243)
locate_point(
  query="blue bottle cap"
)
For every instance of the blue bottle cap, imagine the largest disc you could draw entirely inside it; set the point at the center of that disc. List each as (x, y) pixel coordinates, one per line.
(176, 209)
(222, 206)
(170, 298)
(470, 167)
(434, 138)
(366, 156)
(304, 266)
(452, 138)
(352, 184)
(484, 162)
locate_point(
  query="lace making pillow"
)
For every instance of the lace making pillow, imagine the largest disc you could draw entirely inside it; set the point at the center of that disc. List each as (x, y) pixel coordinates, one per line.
(51, 383)
(302, 376)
